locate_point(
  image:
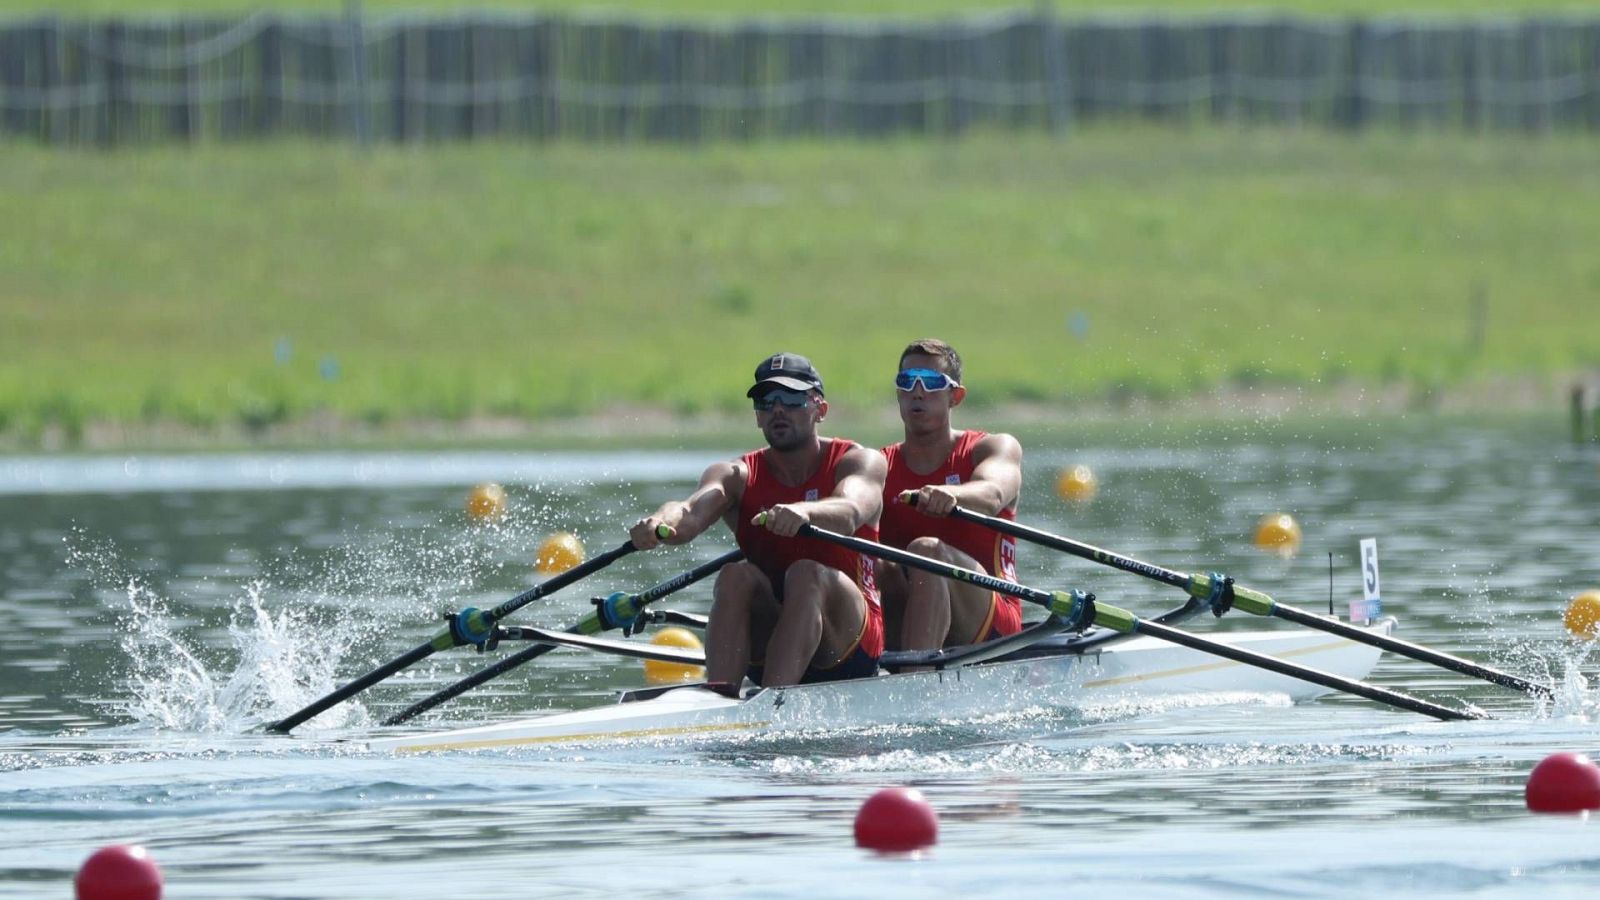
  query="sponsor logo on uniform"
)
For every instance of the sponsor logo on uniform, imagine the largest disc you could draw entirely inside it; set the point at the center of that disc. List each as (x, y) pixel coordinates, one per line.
(867, 579)
(1008, 558)
(811, 494)
(952, 478)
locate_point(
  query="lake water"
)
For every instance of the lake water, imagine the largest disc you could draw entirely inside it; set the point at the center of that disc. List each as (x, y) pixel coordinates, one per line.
(158, 610)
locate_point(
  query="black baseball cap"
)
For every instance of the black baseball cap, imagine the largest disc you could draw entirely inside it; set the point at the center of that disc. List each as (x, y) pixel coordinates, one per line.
(785, 370)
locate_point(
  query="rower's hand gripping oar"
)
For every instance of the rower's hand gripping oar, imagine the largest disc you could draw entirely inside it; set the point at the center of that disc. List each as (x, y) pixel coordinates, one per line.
(619, 610)
(1126, 622)
(1222, 594)
(470, 626)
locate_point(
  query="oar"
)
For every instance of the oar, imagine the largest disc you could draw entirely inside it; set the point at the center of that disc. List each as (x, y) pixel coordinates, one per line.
(616, 611)
(1126, 622)
(470, 626)
(631, 649)
(1222, 592)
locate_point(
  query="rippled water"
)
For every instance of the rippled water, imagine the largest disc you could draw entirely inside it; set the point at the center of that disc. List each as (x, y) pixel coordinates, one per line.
(158, 610)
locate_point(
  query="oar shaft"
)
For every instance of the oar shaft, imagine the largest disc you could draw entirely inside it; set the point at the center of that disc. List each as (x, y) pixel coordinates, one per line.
(468, 683)
(288, 724)
(1255, 602)
(576, 573)
(477, 623)
(1076, 548)
(679, 582)
(1304, 673)
(590, 625)
(1122, 620)
(1414, 651)
(937, 567)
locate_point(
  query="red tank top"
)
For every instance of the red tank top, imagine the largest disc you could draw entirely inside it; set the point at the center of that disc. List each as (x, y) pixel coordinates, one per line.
(902, 524)
(773, 554)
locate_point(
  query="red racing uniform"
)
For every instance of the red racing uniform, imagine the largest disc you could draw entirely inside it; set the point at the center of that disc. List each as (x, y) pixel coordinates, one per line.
(996, 552)
(773, 554)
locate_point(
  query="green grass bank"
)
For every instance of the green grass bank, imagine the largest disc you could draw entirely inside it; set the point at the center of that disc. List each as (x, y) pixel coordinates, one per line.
(264, 284)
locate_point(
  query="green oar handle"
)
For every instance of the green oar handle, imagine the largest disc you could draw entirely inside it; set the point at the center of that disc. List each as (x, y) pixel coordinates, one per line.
(1202, 587)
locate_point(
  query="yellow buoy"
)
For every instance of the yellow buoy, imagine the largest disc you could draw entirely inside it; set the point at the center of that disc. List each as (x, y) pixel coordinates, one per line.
(658, 672)
(1077, 484)
(1583, 615)
(559, 552)
(486, 502)
(1279, 533)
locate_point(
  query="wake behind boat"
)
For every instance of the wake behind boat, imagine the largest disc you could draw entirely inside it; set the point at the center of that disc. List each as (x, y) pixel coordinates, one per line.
(1096, 669)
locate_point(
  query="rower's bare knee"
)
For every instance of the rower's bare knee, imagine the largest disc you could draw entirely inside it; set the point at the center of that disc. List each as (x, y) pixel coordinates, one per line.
(738, 580)
(804, 583)
(741, 589)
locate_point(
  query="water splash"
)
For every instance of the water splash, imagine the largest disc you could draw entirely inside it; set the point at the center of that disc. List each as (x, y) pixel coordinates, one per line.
(172, 682)
(285, 661)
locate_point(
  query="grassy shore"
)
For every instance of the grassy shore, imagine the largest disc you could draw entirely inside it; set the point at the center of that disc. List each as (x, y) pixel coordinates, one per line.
(264, 285)
(847, 8)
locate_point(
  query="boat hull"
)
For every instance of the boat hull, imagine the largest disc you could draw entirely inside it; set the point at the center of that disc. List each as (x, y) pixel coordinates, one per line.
(1132, 670)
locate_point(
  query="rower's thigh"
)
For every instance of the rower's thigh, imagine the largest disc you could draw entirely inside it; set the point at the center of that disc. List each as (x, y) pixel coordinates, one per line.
(969, 603)
(838, 599)
(745, 586)
(892, 588)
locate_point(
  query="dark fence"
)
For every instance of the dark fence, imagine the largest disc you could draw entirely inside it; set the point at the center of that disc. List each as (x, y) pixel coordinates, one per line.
(439, 78)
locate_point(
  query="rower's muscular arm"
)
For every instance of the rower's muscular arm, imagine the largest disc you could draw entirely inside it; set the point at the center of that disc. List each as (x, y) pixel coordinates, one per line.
(720, 488)
(857, 498)
(996, 481)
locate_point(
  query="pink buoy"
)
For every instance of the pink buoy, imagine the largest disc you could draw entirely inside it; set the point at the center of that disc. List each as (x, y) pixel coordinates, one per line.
(896, 820)
(1564, 783)
(118, 873)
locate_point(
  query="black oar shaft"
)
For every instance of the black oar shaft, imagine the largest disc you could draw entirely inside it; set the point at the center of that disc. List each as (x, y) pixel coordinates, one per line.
(451, 638)
(576, 573)
(590, 625)
(1076, 548)
(1304, 673)
(1414, 651)
(289, 723)
(1255, 602)
(937, 567)
(1118, 619)
(468, 683)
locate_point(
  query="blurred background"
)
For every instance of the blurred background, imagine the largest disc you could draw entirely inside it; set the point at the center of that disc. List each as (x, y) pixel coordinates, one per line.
(321, 223)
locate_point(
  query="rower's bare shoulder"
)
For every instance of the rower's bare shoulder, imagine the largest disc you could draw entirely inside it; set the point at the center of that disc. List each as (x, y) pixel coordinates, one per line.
(727, 474)
(999, 445)
(866, 460)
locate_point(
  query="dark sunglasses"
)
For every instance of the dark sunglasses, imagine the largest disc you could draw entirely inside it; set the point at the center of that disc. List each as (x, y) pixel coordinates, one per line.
(908, 379)
(790, 399)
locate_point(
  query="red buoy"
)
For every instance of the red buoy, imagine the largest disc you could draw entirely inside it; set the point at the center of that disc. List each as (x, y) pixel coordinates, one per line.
(1564, 783)
(896, 820)
(119, 873)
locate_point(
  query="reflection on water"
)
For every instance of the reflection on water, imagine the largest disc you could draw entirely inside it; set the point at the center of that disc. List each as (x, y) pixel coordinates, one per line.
(158, 610)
